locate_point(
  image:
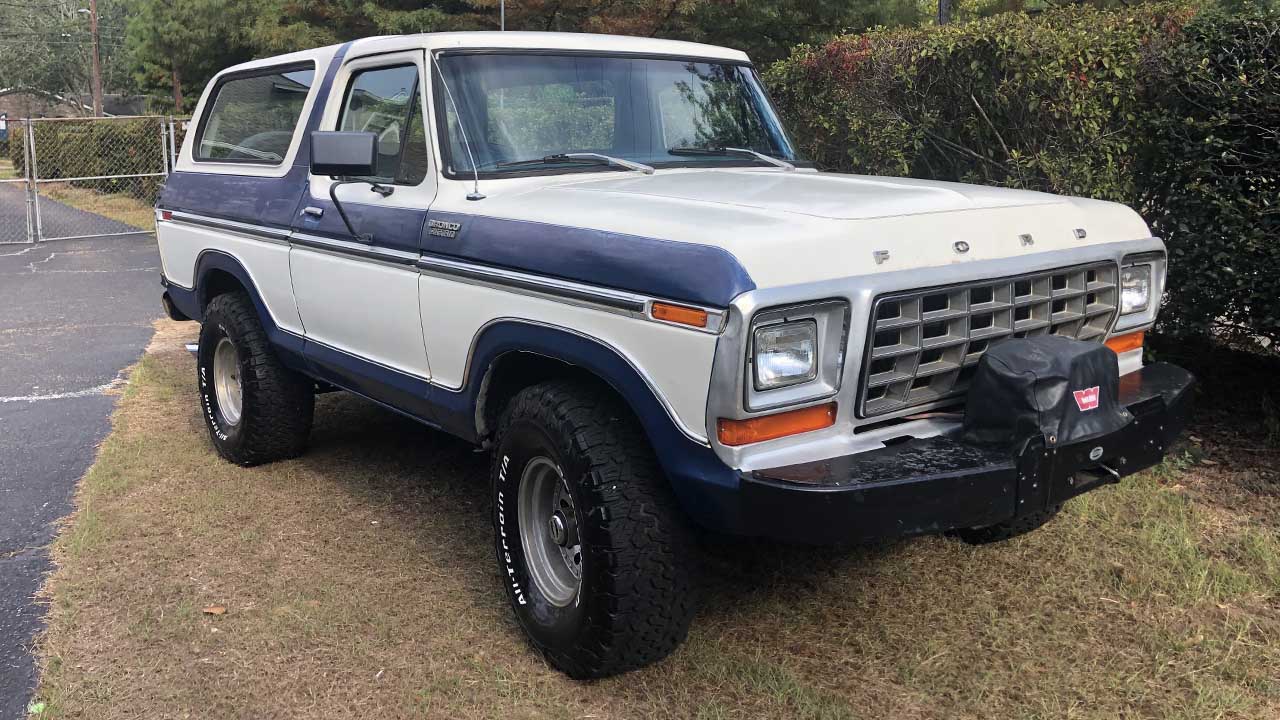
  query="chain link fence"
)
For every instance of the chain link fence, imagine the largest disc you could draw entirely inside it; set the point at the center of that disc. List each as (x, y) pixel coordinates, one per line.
(16, 201)
(85, 177)
(177, 133)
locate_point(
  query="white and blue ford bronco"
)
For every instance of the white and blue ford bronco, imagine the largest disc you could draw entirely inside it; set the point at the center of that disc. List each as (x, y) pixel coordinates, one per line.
(603, 259)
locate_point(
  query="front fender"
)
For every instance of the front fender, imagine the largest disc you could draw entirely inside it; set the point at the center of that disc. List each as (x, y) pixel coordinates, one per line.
(705, 486)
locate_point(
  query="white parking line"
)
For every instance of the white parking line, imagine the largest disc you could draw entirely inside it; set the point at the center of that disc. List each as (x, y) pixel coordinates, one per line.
(99, 390)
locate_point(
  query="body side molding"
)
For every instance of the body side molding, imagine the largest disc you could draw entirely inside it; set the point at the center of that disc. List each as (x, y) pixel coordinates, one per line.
(540, 284)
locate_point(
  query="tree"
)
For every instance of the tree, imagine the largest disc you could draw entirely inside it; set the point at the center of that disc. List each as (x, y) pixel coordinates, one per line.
(44, 46)
(177, 45)
(624, 17)
(288, 25)
(768, 29)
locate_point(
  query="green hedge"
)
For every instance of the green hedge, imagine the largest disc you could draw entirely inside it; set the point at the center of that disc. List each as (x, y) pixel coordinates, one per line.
(93, 148)
(1208, 173)
(1173, 111)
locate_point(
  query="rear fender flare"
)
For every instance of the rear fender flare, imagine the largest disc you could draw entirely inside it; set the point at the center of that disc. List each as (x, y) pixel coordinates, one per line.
(211, 261)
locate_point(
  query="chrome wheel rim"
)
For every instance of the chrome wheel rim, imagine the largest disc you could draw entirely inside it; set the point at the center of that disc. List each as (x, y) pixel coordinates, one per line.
(549, 532)
(226, 381)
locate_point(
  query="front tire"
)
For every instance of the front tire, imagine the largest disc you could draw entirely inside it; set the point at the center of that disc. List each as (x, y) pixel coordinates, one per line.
(257, 410)
(594, 552)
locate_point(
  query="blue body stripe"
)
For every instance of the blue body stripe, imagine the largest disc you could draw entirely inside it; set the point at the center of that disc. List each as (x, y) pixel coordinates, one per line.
(701, 274)
(394, 228)
(257, 200)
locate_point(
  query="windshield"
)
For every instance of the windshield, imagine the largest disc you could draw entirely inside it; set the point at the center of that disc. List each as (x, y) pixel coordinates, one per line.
(523, 107)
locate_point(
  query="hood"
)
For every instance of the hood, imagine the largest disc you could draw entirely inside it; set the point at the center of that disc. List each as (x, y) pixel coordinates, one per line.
(822, 195)
(797, 227)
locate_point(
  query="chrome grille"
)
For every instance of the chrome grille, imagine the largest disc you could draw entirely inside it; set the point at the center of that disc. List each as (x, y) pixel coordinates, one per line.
(926, 344)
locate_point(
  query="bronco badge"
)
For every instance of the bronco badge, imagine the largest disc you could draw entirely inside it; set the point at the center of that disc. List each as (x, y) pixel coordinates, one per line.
(441, 228)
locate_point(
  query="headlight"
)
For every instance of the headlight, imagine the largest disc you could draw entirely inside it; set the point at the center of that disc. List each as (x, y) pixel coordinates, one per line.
(1141, 287)
(796, 354)
(1135, 289)
(785, 354)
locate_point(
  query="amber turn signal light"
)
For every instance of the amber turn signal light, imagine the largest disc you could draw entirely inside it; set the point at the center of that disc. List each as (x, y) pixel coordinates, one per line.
(770, 427)
(679, 314)
(1125, 343)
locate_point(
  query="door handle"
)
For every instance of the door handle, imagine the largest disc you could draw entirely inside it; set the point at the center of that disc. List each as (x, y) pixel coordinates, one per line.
(313, 211)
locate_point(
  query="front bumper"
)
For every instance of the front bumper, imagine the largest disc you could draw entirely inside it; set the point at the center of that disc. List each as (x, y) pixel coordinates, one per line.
(937, 484)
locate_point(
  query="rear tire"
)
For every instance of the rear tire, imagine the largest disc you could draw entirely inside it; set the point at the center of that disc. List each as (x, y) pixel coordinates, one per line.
(257, 410)
(1007, 530)
(594, 552)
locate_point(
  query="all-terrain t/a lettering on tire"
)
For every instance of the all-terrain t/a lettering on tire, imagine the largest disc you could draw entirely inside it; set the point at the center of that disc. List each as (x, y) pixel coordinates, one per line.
(256, 409)
(594, 553)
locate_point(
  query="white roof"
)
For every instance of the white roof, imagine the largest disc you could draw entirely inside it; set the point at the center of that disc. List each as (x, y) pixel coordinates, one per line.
(574, 41)
(321, 56)
(509, 40)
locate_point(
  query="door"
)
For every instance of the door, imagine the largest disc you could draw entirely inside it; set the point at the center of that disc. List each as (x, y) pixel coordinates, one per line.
(358, 299)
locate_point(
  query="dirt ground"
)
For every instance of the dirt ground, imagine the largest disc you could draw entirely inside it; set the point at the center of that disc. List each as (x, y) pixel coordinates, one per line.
(359, 581)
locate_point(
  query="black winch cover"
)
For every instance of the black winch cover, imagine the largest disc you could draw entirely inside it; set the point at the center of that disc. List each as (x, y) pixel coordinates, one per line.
(1065, 389)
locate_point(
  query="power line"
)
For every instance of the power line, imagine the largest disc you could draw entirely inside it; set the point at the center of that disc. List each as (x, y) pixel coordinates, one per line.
(19, 43)
(55, 35)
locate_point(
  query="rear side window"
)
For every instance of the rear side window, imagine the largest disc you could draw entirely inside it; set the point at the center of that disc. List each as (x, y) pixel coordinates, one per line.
(252, 118)
(386, 102)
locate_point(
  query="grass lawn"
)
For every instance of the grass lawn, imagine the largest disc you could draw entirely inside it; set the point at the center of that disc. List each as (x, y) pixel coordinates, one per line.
(359, 581)
(6, 169)
(117, 206)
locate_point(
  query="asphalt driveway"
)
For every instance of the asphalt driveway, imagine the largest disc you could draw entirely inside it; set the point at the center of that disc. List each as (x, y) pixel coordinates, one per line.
(73, 314)
(57, 220)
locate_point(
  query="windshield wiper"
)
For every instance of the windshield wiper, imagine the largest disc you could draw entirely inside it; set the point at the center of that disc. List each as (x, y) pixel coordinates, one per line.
(728, 151)
(596, 158)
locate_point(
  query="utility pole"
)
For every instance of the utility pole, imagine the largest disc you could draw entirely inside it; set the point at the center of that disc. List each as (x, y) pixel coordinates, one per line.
(97, 66)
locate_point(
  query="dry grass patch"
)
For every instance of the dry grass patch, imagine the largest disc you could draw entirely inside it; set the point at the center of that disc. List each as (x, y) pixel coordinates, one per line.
(6, 169)
(359, 582)
(117, 206)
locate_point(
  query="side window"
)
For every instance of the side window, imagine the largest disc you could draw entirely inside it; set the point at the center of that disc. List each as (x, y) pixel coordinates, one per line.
(386, 102)
(252, 118)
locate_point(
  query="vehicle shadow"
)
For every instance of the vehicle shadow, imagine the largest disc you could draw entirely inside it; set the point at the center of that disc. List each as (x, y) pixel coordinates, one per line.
(405, 464)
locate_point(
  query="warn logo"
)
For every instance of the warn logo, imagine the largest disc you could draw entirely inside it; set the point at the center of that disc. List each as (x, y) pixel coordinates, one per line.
(1087, 399)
